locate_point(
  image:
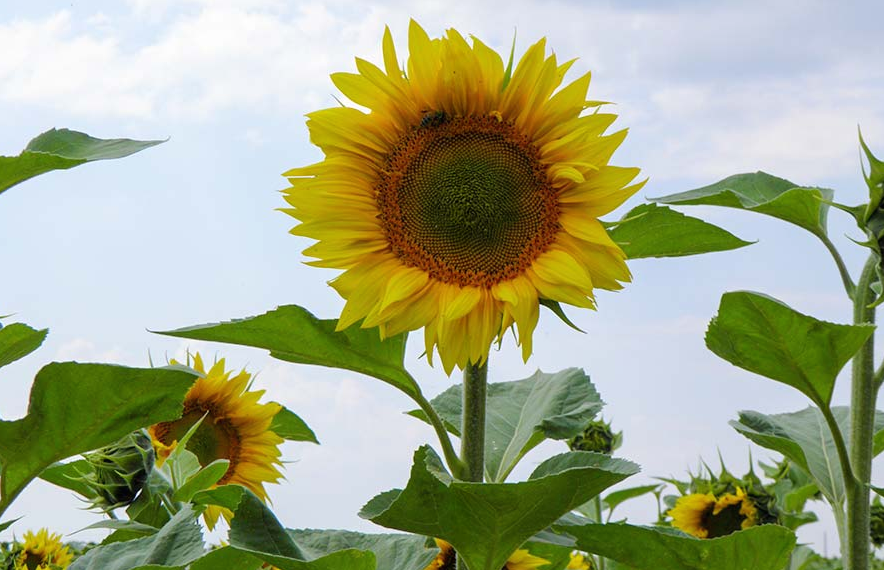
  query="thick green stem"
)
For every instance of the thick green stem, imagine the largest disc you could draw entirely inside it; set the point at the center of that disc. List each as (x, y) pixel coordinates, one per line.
(472, 431)
(862, 429)
(451, 458)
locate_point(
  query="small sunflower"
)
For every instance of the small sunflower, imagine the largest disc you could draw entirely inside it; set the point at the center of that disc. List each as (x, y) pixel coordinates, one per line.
(464, 197)
(705, 516)
(42, 551)
(579, 562)
(520, 560)
(236, 427)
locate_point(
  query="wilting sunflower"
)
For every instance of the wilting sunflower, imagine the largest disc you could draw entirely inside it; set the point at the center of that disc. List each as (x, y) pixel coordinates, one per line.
(42, 551)
(520, 560)
(464, 196)
(704, 516)
(236, 427)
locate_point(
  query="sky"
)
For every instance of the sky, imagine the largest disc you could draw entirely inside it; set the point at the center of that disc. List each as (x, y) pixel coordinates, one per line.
(188, 233)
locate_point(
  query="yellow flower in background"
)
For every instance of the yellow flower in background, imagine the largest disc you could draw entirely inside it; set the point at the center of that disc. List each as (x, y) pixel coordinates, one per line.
(704, 516)
(42, 551)
(520, 560)
(464, 196)
(236, 427)
(579, 562)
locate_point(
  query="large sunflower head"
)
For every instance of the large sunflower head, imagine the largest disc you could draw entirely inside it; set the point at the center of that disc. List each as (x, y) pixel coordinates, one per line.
(705, 516)
(463, 196)
(42, 551)
(234, 427)
(520, 560)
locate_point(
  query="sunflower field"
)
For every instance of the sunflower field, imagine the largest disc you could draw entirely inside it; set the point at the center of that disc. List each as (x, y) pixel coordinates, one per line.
(461, 194)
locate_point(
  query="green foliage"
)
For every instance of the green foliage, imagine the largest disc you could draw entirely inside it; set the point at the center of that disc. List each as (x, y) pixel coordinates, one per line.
(760, 192)
(79, 407)
(392, 551)
(288, 425)
(19, 340)
(620, 496)
(765, 336)
(521, 414)
(650, 230)
(433, 504)
(764, 547)
(293, 334)
(175, 545)
(60, 149)
(804, 437)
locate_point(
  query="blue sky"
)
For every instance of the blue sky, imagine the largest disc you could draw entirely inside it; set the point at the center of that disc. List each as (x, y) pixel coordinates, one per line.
(186, 232)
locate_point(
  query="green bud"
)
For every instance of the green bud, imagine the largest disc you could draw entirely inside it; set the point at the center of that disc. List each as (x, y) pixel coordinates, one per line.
(119, 471)
(599, 437)
(876, 529)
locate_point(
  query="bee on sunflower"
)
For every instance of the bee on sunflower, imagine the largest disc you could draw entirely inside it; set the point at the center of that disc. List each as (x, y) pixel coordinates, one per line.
(465, 197)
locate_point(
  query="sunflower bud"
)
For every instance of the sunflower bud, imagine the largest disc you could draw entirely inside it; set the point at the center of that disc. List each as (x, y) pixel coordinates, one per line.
(599, 437)
(876, 528)
(119, 471)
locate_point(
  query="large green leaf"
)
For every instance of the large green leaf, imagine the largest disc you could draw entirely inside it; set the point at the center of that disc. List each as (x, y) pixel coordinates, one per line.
(175, 545)
(764, 547)
(255, 530)
(657, 231)
(60, 149)
(804, 437)
(487, 522)
(392, 551)
(19, 340)
(760, 192)
(79, 407)
(765, 336)
(292, 333)
(288, 425)
(521, 414)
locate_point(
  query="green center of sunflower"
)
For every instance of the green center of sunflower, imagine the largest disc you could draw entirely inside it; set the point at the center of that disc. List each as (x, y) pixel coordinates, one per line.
(727, 521)
(213, 439)
(467, 200)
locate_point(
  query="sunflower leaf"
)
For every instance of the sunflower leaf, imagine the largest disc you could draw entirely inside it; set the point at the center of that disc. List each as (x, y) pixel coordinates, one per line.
(612, 500)
(293, 334)
(521, 414)
(433, 504)
(650, 230)
(202, 479)
(804, 437)
(765, 336)
(60, 149)
(175, 545)
(79, 407)
(255, 530)
(760, 192)
(764, 547)
(392, 551)
(288, 425)
(19, 340)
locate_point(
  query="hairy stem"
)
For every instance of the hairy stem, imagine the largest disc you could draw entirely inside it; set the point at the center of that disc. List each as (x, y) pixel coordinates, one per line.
(472, 431)
(862, 428)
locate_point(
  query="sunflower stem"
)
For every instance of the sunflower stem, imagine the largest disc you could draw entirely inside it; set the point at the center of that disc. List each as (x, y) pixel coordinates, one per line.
(472, 431)
(862, 428)
(849, 286)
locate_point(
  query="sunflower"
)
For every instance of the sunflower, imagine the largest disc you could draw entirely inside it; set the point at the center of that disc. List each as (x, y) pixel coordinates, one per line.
(579, 562)
(42, 551)
(520, 560)
(465, 195)
(704, 516)
(236, 427)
